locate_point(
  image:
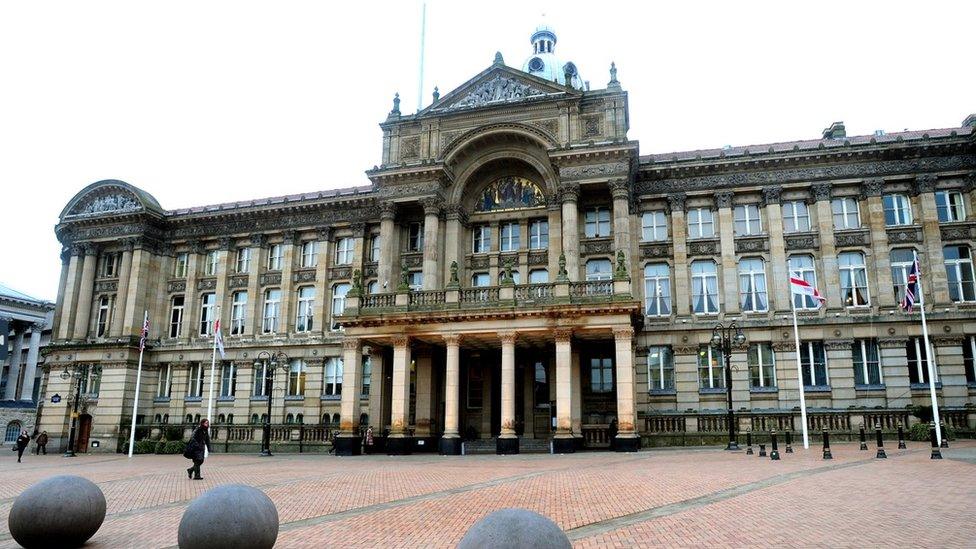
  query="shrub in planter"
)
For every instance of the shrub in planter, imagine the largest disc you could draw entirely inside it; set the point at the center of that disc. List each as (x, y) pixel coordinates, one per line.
(174, 433)
(160, 446)
(145, 447)
(920, 432)
(174, 447)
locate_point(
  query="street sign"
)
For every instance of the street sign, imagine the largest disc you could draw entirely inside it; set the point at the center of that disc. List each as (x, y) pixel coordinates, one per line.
(55, 398)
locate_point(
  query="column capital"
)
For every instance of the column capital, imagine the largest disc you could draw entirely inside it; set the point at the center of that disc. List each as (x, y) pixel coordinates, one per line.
(619, 188)
(196, 246)
(288, 237)
(872, 187)
(388, 210)
(401, 340)
(358, 229)
(452, 340)
(65, 254)
(771, 194)
(820, 191)
(563, 335)
(676, 202)
(432, 205)
(37, 328)
(325, 234)
(623, 333)
(224, 243)
(127, 244)
(569, 192)
(925, 183)
(259, 240)
(351, 344)
(456, 212)
(89, 248)
(723, 199)
(970, 182)
(507, 338)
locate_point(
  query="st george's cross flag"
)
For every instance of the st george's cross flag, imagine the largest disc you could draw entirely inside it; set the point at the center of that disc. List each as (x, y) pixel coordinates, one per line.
(911, 288)
(802, 287)
(218, 339)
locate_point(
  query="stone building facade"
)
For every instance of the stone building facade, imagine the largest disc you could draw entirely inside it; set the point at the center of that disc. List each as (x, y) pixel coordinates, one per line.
(25, 329)
(516, 270)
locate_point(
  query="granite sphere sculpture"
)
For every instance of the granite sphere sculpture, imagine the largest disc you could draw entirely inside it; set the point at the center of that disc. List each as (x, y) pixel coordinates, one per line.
(514, 528)
(59, 511)
(232, 516)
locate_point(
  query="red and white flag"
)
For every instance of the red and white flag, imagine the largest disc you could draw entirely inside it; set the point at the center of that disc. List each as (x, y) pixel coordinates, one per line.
(218, 340)
(145, 332)
(802, 287)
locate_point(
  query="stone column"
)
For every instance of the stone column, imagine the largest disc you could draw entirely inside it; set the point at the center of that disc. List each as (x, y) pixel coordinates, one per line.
(730, 275)
(620, 192)
(13, 373)
(877, 255)
(686, 377)
(779, 287)
(85, 293)
(935, 284)
(253, 317)
(576, 404)
(952, 369)
(286, 322)
(450, 444)
(424, 396)
(225, 266)
(399, 441)
(378, 375)
(507, 442)
(27, 389)
(554, 216)
(347, 443)
(829, 279)
(121, 295)
(432, 210)
(62, 284)
(69, 300)
(840, 365)
(386, 271)
(323, 305)
(139, 292)
(563, 441)
(569, 196)
(894, 364)
(627, 439)
(679, 238)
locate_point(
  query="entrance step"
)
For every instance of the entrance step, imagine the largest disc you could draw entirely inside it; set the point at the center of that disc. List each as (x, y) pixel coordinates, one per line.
(488, 446)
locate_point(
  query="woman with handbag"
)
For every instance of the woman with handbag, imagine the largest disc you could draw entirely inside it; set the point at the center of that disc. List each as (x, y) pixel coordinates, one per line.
(195, 449)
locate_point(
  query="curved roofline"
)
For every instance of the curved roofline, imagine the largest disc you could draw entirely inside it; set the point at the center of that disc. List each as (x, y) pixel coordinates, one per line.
(146, 200)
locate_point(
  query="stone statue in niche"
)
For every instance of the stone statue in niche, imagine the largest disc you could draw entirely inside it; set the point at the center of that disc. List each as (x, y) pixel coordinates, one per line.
(510, 193)
(110, 203)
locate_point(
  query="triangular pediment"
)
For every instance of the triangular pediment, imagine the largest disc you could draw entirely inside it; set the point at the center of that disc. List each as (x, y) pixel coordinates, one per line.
(498, 85)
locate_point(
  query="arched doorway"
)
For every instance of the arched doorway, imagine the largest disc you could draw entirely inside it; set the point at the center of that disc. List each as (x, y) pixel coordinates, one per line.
(83, 433)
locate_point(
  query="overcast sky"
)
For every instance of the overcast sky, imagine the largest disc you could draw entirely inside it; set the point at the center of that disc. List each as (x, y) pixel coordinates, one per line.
(203, 102)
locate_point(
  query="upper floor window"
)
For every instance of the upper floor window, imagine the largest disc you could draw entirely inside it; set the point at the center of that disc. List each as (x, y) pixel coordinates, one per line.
(796, 216)
(416, 280)
(901, 265)
(813, 360)
(374, 248)
(539, 234)
(339, 292)
(897, 209)
(654, 226)
(918, 361)
(176, 316)
(950, 205)
(762, 365)
(104, 313)
(480, 279)
(179, 265)
(660, 369)
(752, 285)
(274, 257)
(243, 260)
(310, 254)
(867, 365)
(601, 375)
(272, 310)
(306, 306)
(538, 276)
(296, 378)
(597, 222)
(510, 237)
(846, 213)
(801, 266)
(108, 265)
(747, 220)
(367, 376)
(208, 312)
(372, 287)
(415, 237)
(210, 263)
(195, 388)
(657, 290)
(332, 385)
(259, 387)
(343, 251)
(704, 287)
(228, 380)
(700, 224)
(599, 269)
(959, 272)
(853, 279)
(711, 368)
(481, 239)
(238, 312)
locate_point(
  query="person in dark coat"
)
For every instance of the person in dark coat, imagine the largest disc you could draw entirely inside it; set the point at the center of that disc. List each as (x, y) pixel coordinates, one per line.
(42, 443)
(22, 441)
(612, 433)
(195, 449)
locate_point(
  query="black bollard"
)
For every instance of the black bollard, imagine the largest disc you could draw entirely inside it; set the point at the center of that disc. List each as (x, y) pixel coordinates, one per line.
(826, 445)
(864, 442)
(901, 438)
(881, 451)
(749, 443)
(762, 450)
(774, 453)
(945, 435)
(936, 453)
(789, 441)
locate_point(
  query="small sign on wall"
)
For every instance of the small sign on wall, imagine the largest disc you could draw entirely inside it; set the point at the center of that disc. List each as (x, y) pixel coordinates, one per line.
(55, 398)
(95, 444)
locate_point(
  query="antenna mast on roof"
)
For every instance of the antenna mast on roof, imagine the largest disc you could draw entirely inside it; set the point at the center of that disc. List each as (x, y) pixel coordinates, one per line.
(423, 33)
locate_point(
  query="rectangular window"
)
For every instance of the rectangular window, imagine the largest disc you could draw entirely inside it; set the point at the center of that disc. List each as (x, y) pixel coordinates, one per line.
(415, 237)
(479, 280)
(104, 313)
(306, 306)
(711, 368)
(243, 260)
(274, 257)
(918, 361)
(481, 239)
(339, 292)
(260, 384)
(853, 279)
(416, 280)
(813, 359)
(310, 254)
(867, 366)
(959, 272)
(950, 206)
(332, 385)
(195, 388)
(599, 269)
(367, 375)
(296, 378)
(796, 217)
(597, 222)
(801, 266)
(901, 265)
(179, 265)
(654, 226)
(846, 213)
(897, 210)
(538, 276)
(176, 316)
(238, 312)
(343, 251)
(510, 241)
(164, 381)
(541, 386)
(228, 380)
(374, 248)
(762, 365)
(539, 235)
(601, 375)
(208, 311)
(704, 287)
(108, 265)
(700, 224)
(272, 310)
(752, 285)
(747, 222)
(657, 290)
(660, 369)
(210, 263)
(969, 358)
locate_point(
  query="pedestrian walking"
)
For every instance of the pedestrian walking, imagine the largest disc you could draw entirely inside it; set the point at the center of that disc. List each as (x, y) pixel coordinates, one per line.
(369, 440)
(612, 433)
(332, 435)
(41, 443)
(199, 441)
(22, 441)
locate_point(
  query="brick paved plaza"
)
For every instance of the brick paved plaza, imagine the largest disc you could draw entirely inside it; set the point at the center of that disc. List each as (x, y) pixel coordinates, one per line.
(675, 497)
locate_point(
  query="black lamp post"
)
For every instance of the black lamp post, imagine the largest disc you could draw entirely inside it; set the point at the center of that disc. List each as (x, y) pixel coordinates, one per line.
(77, 373)
(723, 338)
(270, 361)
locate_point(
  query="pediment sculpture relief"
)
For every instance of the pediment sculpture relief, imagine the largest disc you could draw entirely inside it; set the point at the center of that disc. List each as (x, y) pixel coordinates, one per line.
(110, 203)
(499, 88)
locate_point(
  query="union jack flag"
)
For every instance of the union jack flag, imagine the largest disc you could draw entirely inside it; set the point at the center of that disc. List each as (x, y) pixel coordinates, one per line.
(145, 332)
(911, 288)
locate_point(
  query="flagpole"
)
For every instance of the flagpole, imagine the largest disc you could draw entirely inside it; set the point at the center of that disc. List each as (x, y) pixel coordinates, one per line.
(928, 353)
(213, 367)
(799, 374)
(135, 401)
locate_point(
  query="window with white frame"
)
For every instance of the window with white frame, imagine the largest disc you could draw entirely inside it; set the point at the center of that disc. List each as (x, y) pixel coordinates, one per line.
(796, 216)
(813, 360)
(969, 358)
(762, 365)
(415, 237)
(238, 312)
(867, 364)
(654, 226)
(752, 285)
(700, 223)
(296, 378)
(601, 375)
(479, 280)
(704, 287)
(901, 264)
(539, 234)
(306, 306)
(259, 387)
(711, 368)
(343, 251)
(846, 213)
(372, 287)
(164, 381)
(274, 257)
(802, 266)
(510, 240)
(599, 269)
(310, 254)
(332, 384)
(918, 361)
(272, 310)
(339, 292)
(660, 368)
(210, 263)
(374, 247)
(179, 265)
(176, 316)
(897, 209)
(959, 272)
(657, 289)
(108, 265)
(195, 388)
(596, 222)
(243, 260)
(538, 276)
(951, 206)
(481, 239)
(228, 379)
(367, 376)
(415, 279)
(208, 313)
(853, 279)
(104, 316)
(746, 220)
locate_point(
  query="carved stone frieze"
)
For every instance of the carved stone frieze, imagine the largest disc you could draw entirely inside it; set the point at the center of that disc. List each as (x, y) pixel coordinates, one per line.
(702, 247)
(771, 194)
(820, 191)
(106, 286)
(448, 137)
(270, 279)
(801, 242)
(784, 346)
(259, 240)
(370, 270)
(845, 239)
(948, 340)
(176, 286)
(602, 246)
(237, 281)
(686, 349)
(116, 202)
(925, 183)
(872, 187)
(723, 199)
(676, 202)
(902, 236)
(594, 170)
(892, 342)
(591, 125)
(276, 220)
(412, 261)
(337, 273)
(956, 233)
(549, 125)
(838, 344)
(205, 284)
(747, 245)
(479, 262)
(303, 275)
(410, 147)
(420, 188)
(538, 258)
(655, 251)
(496, 90)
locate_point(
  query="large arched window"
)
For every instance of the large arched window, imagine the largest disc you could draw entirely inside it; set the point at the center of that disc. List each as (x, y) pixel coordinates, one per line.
(510, 193)
(13, 431)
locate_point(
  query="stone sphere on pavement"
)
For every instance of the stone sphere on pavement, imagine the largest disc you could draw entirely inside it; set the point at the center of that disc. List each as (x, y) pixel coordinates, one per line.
(232, 516)
(514, 528)
(60, 511)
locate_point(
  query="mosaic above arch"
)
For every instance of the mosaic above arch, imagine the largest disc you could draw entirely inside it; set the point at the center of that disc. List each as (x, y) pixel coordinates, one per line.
(510, 193)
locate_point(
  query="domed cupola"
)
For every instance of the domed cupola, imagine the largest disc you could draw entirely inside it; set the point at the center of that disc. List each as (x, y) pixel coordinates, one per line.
(544, 63)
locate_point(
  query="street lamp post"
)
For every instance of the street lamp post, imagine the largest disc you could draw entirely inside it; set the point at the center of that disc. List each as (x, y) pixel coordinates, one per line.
(270, 361)
(77, 373)
(723, 337)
